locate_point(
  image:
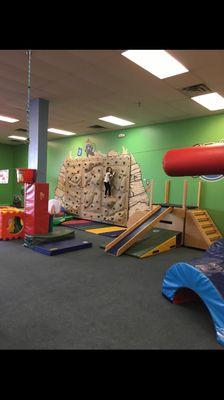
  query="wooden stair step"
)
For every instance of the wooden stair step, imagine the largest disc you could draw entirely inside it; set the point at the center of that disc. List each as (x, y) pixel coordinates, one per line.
(207, 225)
(215, 238)
(198, 212)
(213, 235)
(208, 232)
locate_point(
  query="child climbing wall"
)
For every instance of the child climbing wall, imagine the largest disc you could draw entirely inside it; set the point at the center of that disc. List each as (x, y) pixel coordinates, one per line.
(81, 187)
(107, 181)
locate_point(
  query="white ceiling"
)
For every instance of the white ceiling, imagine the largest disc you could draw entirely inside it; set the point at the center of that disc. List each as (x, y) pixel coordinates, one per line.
(82, 85)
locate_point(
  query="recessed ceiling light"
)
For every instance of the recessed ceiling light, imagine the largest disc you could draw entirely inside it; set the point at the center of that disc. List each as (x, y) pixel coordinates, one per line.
(159, 62)
(116, 121)
(8, 119)
(211, 101)
(17, 137)
(61, 132)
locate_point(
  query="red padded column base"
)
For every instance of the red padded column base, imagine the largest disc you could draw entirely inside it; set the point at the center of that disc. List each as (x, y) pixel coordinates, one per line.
(36, 208)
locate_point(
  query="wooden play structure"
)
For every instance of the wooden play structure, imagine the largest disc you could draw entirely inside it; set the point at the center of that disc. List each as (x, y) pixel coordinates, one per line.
(196, 225)
(165, 227)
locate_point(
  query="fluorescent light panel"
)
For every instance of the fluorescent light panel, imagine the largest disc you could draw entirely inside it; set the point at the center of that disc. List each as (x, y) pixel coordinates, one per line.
(8, 119)
(61, 132)
(17, 137)
(159, 62)
(211, 101)
(117, 121)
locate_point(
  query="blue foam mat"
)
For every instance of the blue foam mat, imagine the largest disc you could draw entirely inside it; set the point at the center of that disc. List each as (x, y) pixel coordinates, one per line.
(112, 234)
(64, 246)
(205, 276)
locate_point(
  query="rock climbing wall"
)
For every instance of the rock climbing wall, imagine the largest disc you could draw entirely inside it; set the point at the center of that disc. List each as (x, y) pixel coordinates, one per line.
(138, 200)
(81, 189)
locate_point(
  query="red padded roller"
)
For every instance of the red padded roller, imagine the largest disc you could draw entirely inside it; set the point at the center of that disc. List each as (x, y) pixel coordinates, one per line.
(192, 161)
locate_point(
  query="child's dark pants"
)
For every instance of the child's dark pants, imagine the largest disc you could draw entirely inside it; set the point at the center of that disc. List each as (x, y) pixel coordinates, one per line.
(107, 188)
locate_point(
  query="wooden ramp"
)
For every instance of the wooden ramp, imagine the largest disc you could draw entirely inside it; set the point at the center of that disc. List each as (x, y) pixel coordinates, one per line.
(200, 230)
(124, 241)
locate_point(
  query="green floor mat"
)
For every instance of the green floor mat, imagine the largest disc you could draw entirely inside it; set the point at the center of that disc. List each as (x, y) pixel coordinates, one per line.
(103, 245)
(150, 241)
(58, 220)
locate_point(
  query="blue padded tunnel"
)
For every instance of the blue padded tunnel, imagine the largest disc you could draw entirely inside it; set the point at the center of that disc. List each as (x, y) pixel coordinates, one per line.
(205, 277)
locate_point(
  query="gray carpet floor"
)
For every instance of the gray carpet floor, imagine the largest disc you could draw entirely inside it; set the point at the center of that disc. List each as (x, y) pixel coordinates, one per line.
(91, 300)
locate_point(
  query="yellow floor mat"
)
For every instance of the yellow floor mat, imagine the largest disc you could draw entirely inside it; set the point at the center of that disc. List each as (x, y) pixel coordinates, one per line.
(105, 230)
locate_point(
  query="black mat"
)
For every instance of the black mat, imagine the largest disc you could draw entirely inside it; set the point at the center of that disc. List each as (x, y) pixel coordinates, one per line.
(91, 300)
(58, 233)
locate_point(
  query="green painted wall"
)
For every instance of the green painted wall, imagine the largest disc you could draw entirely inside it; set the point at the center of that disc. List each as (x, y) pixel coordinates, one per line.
(20, 160)
(11, 157)
(6, 162)
(148, 144)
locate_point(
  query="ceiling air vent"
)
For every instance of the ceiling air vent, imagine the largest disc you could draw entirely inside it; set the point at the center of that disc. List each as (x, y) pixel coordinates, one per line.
(96, 127)
(196, 90)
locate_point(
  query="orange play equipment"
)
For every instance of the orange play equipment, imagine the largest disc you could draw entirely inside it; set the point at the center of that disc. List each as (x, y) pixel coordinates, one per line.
(34, 219)
(11, 223)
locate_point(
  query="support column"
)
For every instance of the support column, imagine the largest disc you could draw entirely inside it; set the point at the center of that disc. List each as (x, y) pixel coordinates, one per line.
(167, 192)
(37, 154)
(151, 194)
(199, 194)
(184, 203)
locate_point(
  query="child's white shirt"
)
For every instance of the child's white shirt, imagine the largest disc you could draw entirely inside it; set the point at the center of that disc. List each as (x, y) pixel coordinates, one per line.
(107, 177)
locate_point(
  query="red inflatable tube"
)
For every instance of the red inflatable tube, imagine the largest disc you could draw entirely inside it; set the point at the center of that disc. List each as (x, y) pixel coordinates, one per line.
(194, 161)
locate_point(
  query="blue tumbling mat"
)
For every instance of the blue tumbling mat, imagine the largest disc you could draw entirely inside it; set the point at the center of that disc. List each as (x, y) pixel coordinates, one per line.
(64, 246)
